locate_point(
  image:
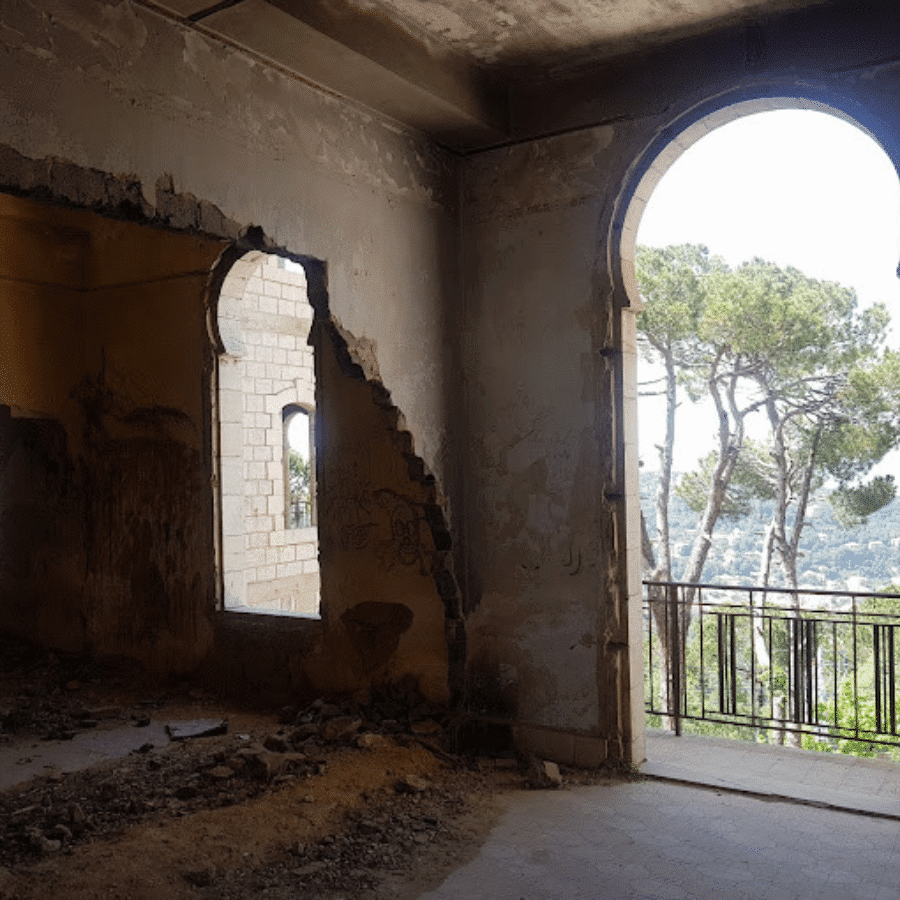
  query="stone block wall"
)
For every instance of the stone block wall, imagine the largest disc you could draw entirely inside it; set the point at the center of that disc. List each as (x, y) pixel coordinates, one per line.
(264, 321)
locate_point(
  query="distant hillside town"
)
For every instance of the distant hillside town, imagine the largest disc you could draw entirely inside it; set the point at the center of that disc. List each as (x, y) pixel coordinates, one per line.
(863, 558)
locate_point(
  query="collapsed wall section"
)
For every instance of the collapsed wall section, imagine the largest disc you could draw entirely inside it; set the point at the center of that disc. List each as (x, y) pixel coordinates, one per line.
(123, 111)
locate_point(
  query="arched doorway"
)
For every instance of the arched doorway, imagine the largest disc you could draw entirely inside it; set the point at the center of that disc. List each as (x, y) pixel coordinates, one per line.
(647, 175)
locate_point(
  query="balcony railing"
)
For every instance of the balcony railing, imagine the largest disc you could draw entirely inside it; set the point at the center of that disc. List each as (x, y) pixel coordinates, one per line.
(807, 662)
(299, 512)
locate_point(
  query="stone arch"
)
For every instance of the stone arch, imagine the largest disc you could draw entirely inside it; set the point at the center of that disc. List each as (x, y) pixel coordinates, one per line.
(689, 127)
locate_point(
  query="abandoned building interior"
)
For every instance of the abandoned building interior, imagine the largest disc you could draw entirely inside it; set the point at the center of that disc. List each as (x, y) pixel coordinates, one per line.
(404, 231)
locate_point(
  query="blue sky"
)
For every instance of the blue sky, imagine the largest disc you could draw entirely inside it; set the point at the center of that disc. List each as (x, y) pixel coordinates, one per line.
(795, 187)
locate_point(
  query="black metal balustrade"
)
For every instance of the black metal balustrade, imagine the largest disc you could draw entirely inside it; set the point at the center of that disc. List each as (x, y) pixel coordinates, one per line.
(823, 663)
(299, 512)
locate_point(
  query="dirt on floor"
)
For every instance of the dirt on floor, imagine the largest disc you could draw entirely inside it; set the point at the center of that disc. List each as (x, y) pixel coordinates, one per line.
(353, 798)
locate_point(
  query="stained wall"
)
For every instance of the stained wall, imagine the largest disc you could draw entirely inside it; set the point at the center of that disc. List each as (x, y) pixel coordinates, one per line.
(114, 108)
(105, 510)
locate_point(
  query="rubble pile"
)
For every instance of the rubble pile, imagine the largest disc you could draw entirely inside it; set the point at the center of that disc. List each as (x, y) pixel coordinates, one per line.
(416, 817)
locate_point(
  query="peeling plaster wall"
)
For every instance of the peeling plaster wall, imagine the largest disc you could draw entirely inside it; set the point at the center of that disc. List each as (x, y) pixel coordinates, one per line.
(552, 562)
(116, 88)
(106, 494)
(542, 544)
(384, 602)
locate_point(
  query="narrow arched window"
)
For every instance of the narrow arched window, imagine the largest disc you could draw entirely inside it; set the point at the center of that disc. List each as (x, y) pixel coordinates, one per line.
(299, 461)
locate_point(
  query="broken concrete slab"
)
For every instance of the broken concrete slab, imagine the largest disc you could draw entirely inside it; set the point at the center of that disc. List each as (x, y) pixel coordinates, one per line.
(24, 759)
(196, 728)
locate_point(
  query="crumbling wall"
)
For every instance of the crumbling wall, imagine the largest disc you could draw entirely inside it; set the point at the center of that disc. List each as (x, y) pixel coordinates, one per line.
(387, 588)
(114, 108)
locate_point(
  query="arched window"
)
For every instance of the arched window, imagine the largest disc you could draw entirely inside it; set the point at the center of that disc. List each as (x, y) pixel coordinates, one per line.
(299, 466)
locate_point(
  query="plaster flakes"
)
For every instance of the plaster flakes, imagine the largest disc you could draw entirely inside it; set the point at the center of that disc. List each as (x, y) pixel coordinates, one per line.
(447, 23)
(117, 27)
(12, 39)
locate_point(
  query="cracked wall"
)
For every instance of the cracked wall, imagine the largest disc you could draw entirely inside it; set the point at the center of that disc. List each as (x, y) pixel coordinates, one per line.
(481, 339)
(552, 575)
(122, 111)
(539, 349)
(118, 108)
(106, 488)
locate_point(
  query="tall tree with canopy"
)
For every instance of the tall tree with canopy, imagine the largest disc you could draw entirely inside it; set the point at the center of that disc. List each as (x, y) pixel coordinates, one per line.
(763, 338)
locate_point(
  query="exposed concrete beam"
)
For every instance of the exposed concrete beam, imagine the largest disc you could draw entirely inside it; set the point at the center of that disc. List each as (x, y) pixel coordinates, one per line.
(364, 58)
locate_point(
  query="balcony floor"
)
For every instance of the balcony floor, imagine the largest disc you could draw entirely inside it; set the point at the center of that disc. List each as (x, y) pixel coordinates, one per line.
(832, 780)
(778, 824)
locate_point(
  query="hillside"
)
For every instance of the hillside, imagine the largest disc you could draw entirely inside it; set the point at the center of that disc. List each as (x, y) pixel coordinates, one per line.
(866, 557)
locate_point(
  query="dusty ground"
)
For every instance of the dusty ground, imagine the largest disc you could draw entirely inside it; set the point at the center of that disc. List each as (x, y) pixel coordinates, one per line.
(359, 799)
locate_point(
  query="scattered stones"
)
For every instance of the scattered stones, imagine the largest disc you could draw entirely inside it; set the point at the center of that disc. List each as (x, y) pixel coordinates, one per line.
(61, 832)
(340, 728)
(304, 731)
(276, 743)
(543, 774)
(370, 741)
(412, 784)
(426, 727)
(197, 728)
(76, 814)
(52, 817)
(41, 843)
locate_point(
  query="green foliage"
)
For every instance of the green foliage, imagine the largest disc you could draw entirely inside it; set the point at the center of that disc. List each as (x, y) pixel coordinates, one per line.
(298, 475)
(853, 505)
(769, 338)
(300, 499)
(672, 285)
(855, 697)
(747, 483)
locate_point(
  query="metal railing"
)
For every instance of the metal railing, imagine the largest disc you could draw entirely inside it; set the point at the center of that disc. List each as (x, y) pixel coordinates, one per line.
(822, 663)
(299, 512)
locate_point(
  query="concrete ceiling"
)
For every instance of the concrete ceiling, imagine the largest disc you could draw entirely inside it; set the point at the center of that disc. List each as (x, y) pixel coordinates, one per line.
(449, 67)
(522, 34)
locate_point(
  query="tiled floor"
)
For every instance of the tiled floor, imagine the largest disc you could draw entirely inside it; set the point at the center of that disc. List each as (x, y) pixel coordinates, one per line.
(659, 840)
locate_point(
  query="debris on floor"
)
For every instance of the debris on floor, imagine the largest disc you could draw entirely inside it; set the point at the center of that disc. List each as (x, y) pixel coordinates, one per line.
(197, 728)
(356, 796)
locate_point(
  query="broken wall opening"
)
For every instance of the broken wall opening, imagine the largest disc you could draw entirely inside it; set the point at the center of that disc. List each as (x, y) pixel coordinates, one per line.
(266, 411)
